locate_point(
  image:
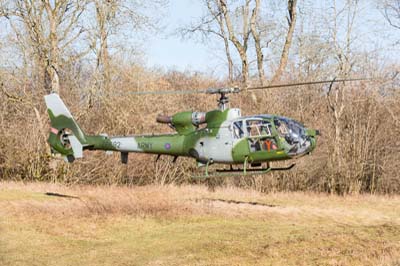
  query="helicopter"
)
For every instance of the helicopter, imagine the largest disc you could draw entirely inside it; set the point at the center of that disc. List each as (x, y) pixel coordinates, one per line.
(220, 136)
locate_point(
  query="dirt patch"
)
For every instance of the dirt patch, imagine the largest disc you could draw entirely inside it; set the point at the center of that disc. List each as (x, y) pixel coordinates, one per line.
(251, 203)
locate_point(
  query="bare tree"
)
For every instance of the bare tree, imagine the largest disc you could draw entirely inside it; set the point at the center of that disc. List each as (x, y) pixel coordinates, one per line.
(222, 22)
(105, 13)
(224, 36)
(392, 12)
(114, 16)
(3, 9)
(211, 25)
(291, 19)
(240, 45)
(337, 97)
(235, 22)
(48, 28)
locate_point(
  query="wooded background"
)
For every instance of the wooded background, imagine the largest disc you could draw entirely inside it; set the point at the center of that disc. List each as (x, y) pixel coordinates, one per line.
(92, 53)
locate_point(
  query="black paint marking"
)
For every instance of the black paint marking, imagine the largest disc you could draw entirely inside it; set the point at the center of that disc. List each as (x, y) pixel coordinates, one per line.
(60, 195)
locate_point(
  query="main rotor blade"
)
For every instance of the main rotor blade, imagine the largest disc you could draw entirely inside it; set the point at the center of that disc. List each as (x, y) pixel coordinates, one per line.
(166, 92)
(237, 90)
(302, 84)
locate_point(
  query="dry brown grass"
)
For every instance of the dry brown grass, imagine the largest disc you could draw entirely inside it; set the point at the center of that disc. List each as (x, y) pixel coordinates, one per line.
(88, 201)
(176, 201)
(368, 158)
(190, 225)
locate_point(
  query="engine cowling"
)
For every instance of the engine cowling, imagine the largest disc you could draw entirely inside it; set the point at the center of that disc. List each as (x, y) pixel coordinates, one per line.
(183, 122)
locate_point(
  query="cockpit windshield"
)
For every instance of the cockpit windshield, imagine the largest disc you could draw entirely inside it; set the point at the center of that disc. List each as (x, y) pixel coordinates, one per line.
(291, 130)
(294, 133)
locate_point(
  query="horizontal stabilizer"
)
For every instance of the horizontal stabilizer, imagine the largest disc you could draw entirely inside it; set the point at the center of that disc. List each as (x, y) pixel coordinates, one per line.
(76, 146)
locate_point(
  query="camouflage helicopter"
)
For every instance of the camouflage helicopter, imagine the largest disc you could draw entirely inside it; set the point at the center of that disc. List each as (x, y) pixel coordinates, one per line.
(225, 136)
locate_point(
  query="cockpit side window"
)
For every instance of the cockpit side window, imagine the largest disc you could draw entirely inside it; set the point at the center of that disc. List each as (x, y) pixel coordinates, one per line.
(266, 128)
(253, 128)
(257, 128)
(281, 127)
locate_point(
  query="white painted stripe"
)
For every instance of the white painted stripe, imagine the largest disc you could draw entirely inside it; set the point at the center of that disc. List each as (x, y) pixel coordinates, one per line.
(56, 105)
(126, 144)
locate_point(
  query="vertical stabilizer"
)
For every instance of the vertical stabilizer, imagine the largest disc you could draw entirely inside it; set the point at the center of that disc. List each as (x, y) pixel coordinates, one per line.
(66, 137)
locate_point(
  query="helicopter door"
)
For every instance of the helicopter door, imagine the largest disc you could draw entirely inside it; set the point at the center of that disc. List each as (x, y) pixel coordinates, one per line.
(238, 132)
(239, 147)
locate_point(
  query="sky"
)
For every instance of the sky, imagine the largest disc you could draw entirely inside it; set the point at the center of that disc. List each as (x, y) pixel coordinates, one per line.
(169, 51)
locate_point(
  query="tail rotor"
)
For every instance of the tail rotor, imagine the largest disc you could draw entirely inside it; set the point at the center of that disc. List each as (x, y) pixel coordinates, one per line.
(66, 137)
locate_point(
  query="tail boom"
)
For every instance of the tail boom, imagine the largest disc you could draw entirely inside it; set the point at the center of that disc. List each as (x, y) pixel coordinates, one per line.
(68, 139)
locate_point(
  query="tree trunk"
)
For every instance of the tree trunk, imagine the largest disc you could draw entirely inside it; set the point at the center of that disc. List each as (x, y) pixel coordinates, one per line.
(245, 69)
(285, 52)
(227, 51)
(103, 62)
(230, 61)
(257, 43)
(241, 48)
(53, 57)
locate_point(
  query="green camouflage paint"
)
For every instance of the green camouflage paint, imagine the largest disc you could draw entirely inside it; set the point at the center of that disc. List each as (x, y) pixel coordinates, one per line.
(182, 143)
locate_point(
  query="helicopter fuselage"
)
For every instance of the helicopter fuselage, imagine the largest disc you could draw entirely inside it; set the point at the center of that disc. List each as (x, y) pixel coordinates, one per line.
(256, 139)
(218, 136)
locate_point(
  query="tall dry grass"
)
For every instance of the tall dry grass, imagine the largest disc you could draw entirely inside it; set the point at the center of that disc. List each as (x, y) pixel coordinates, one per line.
(170, 222)
(60, 202)
(368, 146)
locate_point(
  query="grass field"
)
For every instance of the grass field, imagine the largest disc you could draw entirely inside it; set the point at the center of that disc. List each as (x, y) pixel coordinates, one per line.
(189, 225)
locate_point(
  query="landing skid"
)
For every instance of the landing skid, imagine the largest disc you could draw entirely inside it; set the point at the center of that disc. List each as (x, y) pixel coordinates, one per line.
(255, 170)
(240, 172)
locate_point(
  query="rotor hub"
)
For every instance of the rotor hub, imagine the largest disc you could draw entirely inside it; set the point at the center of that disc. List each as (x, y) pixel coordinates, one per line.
(223, 90)
(223, 101)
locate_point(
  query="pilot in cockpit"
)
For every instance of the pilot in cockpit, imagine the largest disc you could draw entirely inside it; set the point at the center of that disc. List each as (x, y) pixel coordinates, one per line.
(281, 127)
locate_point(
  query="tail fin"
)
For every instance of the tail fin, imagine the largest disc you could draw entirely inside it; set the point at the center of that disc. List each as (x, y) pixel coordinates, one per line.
(66, 137)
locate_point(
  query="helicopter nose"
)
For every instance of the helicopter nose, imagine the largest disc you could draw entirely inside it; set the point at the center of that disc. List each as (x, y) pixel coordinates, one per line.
(313, 143)
(312, 132)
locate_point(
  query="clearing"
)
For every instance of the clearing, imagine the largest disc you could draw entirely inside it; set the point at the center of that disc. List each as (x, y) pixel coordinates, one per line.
(50, 224)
